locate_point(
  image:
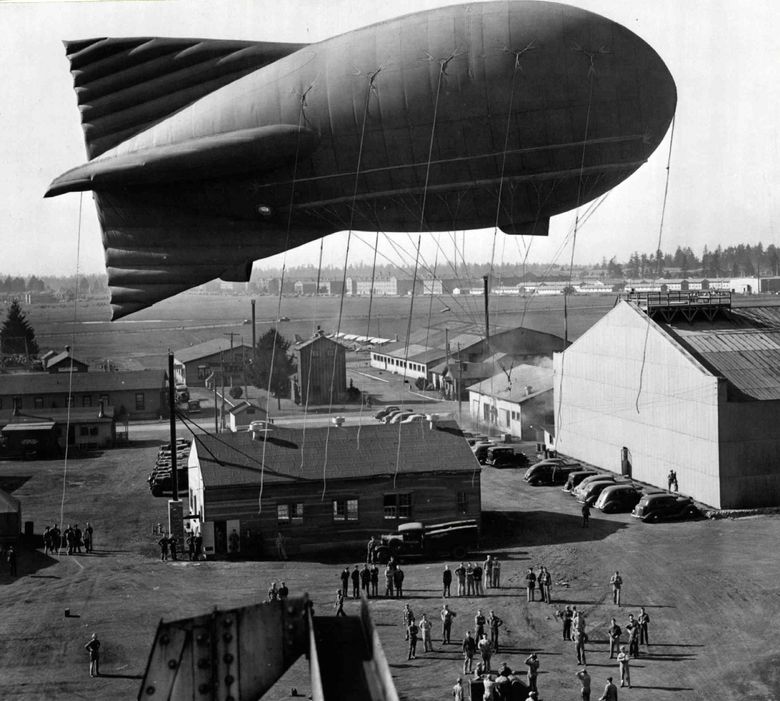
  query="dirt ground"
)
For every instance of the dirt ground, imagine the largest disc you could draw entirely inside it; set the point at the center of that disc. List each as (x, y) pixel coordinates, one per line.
(711, 589)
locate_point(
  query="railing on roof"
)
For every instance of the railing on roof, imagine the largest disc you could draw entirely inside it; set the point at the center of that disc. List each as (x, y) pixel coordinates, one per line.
(681, 303)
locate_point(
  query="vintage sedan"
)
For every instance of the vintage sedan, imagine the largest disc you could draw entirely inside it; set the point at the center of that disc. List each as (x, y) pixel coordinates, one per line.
(664, 506)
(590, 493)
(576, 477)
(618, 497)
(583, 485)
(550, 471)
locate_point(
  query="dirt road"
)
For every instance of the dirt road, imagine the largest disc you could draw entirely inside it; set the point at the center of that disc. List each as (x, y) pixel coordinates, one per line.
(711, 589)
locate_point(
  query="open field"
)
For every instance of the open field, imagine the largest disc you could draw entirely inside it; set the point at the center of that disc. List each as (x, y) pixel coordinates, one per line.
(710, 587)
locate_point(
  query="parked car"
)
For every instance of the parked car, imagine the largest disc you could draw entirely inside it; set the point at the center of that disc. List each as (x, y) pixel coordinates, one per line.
(389, 416)
(663, 506)
(413, 419)
(480, 451)
(583, 485)
(618, 497)
(575, 478)
(551, 471)
(399, 416)
(505, 456)
(473, 440)
(384, 412)
(592, 490)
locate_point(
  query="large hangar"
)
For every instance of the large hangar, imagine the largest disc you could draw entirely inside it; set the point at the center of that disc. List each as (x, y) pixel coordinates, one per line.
(689, 384)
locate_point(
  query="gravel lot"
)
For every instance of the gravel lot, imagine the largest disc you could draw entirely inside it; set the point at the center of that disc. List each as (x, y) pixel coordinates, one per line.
(711, 589)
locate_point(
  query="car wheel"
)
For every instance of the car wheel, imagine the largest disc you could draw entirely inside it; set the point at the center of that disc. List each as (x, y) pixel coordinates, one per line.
(609, 509)
(654, 518)
(693, 512)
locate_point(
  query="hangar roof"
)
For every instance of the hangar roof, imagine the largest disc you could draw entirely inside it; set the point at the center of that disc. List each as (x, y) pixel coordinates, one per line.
(206, 349)
(27, 383)
(743, 347)
(344, 452)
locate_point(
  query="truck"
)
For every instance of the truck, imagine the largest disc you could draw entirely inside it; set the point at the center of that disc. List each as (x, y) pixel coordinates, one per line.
(418, 540)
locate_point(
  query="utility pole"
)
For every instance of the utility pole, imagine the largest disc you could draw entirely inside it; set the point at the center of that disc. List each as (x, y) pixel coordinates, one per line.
(175, 509)
(487, 313)
(458, 389)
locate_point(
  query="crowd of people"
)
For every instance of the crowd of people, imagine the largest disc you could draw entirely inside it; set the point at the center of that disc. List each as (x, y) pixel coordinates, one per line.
(72, 539)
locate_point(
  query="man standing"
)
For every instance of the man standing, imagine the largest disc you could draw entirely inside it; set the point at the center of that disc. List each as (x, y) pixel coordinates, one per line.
(469, 648)
(530, 584)
(633, 636)
(446, 624)
(625, 674)
(356, 583)
(89, 532)
(579, 645)
(496, 573)
(494, 623)
(425, 633)
(584, 678)
(567, 615)
(413, 630)
(93, 647)
(365, 580)
(477, 573)
(457, 690)
(585, 514)
(11, 557)
(446, 580)
(163, 543)
(532, 662)
(407, 617)
(610, 691)
(547, 582)
(644, 619)
(398, 580)
(344, 580)
(389, 581)
(374, 580)
(460, 573)
(340, 603)
(617, 582)
(486, 651)
(614, 633)
(487, 571)
(470, 579)
(479, 624)
(370, 550)
(283, 592)
(233, 543)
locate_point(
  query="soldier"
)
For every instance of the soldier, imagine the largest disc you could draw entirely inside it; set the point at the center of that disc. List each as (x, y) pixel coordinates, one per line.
(644, 619)
(584, 678)
(580, 637)
(365, 580)
(487, 569)
(389, 581)
(486, 651)
(46, 540)
(172, 546)
(494, 623)
(479, 624)
(460, 573)
(532, 662)
(610, 691)
(283, 592)
(633, 636)
(617, 582)
(477, 574)
(374, 580)
(344, 580)
(470, 579)
(398, 580)
(567, 615)
(412, 632)
(425, 633)
(407, 616)
(56, 538)
(496, 573)
(530, 584)
(356, 582)
(190, 542)
(370, 550)
(540, 579)
(93, 647)
(446, 624)
(469, 648)
(614, 633)
(340, 603)
(163, 543)
(547, 584)
(625, 673)
(77, 538)
(89, 533)
(11, 557)
(446, 580)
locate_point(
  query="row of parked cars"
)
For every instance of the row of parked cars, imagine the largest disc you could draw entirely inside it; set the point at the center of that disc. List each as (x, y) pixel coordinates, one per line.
(396, 415)
(611, 493)
(495, 454)
(161, 477)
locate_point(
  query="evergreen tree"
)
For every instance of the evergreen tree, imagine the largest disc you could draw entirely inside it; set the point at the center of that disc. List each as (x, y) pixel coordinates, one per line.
(16, 334)
(272, 344)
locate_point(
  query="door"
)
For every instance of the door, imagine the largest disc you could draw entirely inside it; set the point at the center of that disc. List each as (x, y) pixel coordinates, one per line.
(207, 532)
(234, 544)
(220, 538)
(625, 462)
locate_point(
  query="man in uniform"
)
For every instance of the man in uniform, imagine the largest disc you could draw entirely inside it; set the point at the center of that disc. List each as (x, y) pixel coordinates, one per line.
(470, 579)
(479, 624)
(446, 623)
(89, 532)
(398, 580)
(532, 662)
(425, 633)
(370, 550)
(494, 623)
(93, 647)
(617, 582)
(610, 691)
(412, 632)
(530, 584)
(365, 580)
(469, 648)
(613, 632)
(374, 580)
(389, 581)
(633, 635)
(283, 591)
(163, 543)
(496, 573)
(344, 580)
(625, 673)
(567, 615)
(477, 574)
(486, 651)
(446, 580)
(407, 616)
(584, 678)
(460, 573)
(579, 645)
(487, 570)
(644, 619)
(356, 582)
(340, 603)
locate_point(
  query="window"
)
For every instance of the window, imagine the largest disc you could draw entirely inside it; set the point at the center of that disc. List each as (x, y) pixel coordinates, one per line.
(104, 399)
(289, 512)
(203, 372)
(86, 400)
(463, 503)
(330, 352)
(140, 401)
(506, 417)
(398, 506)
(17, 403)
(315, 354)
(345, 509)
(37, 402)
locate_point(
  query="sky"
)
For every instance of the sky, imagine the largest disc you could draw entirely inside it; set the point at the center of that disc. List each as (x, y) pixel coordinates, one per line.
(724, 175)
